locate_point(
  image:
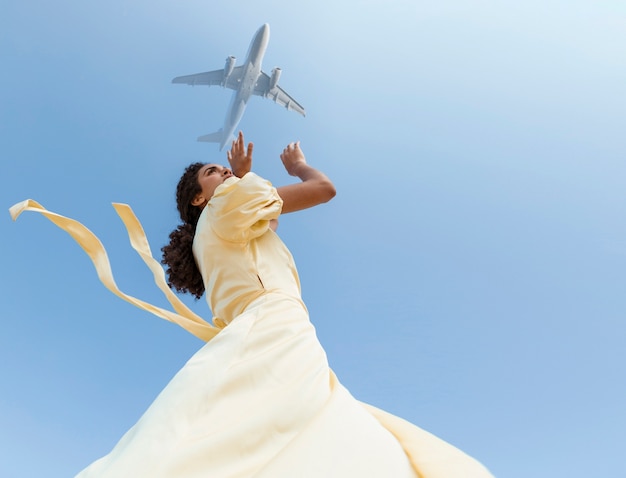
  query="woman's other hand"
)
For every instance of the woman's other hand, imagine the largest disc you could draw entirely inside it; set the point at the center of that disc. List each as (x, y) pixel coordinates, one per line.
(293, 158)
(315, 187)
(240, 157)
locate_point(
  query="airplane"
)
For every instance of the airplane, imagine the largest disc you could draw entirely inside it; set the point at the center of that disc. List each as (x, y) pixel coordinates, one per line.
(246, 80)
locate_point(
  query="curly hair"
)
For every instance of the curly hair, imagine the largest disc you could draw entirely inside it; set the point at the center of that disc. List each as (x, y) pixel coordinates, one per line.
(182, 270)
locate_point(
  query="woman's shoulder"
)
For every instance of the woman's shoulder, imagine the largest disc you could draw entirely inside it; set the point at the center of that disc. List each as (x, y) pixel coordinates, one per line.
(235, 192)
(241, 208)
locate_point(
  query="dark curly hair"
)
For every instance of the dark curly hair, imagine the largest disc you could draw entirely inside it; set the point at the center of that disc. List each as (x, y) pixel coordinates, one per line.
(182, 270)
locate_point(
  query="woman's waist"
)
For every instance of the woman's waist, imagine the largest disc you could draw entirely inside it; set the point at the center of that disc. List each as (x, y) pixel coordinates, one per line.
(228, 311)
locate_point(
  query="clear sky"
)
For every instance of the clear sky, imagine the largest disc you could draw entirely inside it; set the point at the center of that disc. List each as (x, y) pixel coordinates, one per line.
(469, 276)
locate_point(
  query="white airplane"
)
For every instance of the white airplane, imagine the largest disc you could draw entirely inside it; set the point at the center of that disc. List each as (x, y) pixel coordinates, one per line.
(246, 80)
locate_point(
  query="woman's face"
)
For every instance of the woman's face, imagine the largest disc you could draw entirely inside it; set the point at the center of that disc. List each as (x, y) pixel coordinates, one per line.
(210, 176)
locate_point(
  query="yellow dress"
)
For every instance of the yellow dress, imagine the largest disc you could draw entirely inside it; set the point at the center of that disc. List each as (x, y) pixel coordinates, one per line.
(258, 400)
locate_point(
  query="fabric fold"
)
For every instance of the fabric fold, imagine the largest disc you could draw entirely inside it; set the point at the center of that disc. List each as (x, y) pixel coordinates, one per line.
(90, 243)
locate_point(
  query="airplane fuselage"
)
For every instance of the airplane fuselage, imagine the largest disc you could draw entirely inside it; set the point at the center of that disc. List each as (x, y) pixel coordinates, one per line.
(252, 70)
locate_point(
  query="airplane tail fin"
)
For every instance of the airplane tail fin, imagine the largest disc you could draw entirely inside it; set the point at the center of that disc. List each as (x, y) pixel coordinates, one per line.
(212, 137)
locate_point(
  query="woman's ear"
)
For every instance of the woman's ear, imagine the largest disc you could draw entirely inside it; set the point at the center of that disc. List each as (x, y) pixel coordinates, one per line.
(198, 200)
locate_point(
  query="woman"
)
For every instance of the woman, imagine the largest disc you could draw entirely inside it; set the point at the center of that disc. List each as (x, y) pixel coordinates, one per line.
(259, 400)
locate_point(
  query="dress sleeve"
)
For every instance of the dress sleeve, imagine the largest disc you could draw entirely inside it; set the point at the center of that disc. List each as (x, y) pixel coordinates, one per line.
(241, 209)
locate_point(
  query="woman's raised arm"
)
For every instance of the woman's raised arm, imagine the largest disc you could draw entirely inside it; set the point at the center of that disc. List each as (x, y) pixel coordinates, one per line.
(315, 187)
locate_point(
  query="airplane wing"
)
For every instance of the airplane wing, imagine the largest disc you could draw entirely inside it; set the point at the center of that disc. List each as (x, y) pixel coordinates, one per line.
(277, 94)
(215, 77)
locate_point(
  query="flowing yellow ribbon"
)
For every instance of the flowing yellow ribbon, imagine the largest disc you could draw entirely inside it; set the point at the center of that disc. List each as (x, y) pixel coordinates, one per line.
(86, 239)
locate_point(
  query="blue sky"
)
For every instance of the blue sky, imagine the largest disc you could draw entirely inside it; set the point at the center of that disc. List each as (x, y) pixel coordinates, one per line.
(469, 276)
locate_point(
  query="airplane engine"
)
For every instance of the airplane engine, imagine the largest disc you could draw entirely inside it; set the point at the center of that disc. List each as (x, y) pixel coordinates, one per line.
(274, 78)
(228, 68)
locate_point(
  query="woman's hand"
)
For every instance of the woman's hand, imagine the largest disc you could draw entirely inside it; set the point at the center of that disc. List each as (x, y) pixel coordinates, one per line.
(293, 158)
(240, 157)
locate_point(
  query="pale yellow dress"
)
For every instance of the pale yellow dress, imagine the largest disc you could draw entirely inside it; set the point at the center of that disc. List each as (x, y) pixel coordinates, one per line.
(258, 400)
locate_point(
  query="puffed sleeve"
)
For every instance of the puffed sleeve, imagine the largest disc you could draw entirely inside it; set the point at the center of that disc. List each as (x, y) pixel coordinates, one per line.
(241, 209)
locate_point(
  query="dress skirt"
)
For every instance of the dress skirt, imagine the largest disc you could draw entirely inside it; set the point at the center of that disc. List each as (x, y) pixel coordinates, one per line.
(259, 400)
